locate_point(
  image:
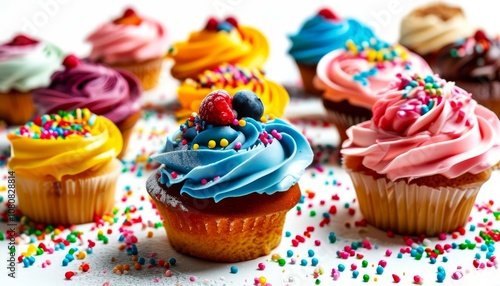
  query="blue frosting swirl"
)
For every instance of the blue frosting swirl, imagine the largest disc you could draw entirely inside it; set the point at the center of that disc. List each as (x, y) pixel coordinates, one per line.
(319, 36)
(271, 158)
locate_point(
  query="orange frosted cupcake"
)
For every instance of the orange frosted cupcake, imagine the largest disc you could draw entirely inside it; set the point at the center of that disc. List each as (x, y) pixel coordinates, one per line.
(418, 165)
(133, 43)
(66, 167)
(218, 43)
(232, 78)
(227, 181)
(25, 64)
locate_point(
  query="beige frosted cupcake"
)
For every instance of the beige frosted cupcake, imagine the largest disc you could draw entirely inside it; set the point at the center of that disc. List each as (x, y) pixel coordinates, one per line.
(418, 165)
(66, 167)
(227, 181)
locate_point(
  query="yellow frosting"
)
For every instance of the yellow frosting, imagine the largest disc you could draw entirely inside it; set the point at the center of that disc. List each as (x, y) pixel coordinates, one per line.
(207, 49)
(69, 156)
(274, 96)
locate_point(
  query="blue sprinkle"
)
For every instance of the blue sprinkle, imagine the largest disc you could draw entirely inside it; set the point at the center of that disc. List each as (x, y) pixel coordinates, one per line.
(420, 249)
(488, 255)
(289, 253)
(152, 261)
(56, 247)
(491, 248)
(341, 267)
(314, 261)
(483, 247)
(31, 259)
(441, 276)
(89, 250)
(413, 252)
(302, 199)
(424, 109)
(400, 255)
(445, 259)
(310, 252)
(288, 234)
(380, 269)
(433, 260)
(224, 26)
(355, 274)
(303, 262)
(454, 245)
(65, 262)
(472, 227)
(441, 269)
(26, 262)
(234, 269)
(121, 238)
(172, 261)
(141, 260)
(69, 257)
(326, 215)
(477, 256)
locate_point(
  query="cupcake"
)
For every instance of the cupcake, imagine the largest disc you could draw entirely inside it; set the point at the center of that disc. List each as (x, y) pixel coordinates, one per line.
(319, 35)
(25, 64)
(231, 78)
(418, 165)
(429, 28)
(227, 181)
(114, 94)
(218, 43)
(353, 79)
(133, 43)
(474, 64)
(66, 167)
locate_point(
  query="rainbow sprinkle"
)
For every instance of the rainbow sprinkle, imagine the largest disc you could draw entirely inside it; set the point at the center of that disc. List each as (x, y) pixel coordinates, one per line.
(226, 76)
(59, 126)
(426, 90)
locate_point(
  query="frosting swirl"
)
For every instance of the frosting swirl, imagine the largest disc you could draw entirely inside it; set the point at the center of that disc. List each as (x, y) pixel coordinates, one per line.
(112, 93)
(432, 27)
(117, 42)
(423, 127)
(26, 67)
(320, 35)
(208, 49)
(231, 78)
(257, 157)
(64, 144)
(361, 75)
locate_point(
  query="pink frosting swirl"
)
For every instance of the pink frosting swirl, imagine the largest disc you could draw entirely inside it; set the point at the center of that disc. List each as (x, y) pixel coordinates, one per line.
(112, 93)
(415, 133)
(121, 43)
(360, 76)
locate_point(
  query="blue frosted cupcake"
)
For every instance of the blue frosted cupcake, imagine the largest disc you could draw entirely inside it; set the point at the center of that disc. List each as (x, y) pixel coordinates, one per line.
(321, 34)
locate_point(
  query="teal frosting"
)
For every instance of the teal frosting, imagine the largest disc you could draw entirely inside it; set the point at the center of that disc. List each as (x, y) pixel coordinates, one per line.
(319, 36)
(260, 165)
(24, 68)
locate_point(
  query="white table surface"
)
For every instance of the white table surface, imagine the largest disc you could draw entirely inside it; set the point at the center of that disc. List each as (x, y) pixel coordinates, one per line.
(149, 136)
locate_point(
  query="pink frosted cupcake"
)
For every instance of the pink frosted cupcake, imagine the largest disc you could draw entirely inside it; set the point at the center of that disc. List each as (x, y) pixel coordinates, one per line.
(353, 79)
(418, 165)
(133, 43)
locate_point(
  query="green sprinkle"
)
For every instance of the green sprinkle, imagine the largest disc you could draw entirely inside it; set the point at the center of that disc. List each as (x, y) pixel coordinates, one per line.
(366, 278)
(317, 282)
(364, 263)
(312, 213)
(281, 262)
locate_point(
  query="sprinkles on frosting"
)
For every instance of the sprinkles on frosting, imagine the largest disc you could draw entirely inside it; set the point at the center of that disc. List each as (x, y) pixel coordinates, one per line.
(59, 126)
(227, 76)
(427, 90)
(380, 54)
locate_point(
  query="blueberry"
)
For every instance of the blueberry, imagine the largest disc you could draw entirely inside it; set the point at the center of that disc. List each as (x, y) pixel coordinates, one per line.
(225, 26)
(248, 104)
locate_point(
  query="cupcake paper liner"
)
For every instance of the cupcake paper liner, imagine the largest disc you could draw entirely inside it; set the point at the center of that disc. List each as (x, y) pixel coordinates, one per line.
(216, 237)
(126, 127)
(148, 72)
(76, 199)
(307, 73)
(16, 107)
(412, 209)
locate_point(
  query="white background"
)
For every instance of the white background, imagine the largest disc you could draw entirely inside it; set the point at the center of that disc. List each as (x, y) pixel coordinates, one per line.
(68, 22)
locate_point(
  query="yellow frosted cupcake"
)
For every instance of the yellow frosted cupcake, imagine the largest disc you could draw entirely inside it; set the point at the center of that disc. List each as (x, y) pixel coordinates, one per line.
(218, 43)
(232, 78)
(66, 166)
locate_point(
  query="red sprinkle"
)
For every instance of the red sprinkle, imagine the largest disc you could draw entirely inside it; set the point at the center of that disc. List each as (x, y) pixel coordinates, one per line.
(69, 274)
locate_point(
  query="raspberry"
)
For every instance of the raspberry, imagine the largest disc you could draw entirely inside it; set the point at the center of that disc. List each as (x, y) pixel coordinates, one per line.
(328, 14)
(22, 40)
(212, 24)
(129, 12)
(217, 108)
(232, 20)
(71, 61)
